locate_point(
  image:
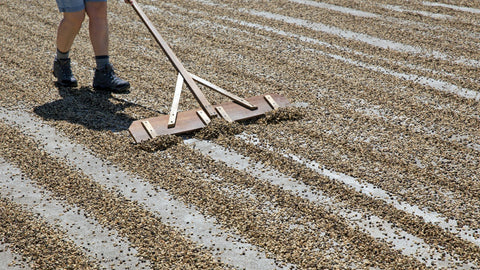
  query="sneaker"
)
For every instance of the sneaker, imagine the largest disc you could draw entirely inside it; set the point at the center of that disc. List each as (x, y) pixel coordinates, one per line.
(62, 70)
(106, 80)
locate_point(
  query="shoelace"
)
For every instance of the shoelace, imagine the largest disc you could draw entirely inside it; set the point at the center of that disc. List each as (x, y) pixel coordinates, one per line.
(66, 69)
(110, 74)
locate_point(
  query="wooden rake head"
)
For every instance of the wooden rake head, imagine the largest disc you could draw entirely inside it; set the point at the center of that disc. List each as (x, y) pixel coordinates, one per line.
(188, 121)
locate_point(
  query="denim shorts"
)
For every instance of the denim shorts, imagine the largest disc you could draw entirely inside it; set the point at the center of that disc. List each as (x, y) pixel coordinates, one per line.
(74, 5)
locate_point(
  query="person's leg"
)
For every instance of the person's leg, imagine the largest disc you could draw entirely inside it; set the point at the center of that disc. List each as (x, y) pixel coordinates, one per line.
(98, 26)
(68, 29)
(105, 78)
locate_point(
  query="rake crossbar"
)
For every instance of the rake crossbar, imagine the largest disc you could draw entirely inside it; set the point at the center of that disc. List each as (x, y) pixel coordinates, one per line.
(176, 100)
(224, 92)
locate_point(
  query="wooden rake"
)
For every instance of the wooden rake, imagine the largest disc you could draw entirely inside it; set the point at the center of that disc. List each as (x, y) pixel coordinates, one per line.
(188, 121)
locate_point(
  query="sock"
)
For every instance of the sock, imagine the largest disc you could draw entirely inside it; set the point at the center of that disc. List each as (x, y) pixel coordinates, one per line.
(102, 60)
(63, 55)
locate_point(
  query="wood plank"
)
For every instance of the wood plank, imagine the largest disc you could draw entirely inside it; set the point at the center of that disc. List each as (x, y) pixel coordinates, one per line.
(189, 121)
(176, 99)
(223, 92)
(271, 101)
(223, 114)
(150, 130)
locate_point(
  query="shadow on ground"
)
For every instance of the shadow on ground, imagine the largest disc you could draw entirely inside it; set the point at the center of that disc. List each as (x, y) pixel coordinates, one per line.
(92, 109)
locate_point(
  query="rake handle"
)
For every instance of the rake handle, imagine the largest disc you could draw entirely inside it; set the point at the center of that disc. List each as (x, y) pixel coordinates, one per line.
(197, 93)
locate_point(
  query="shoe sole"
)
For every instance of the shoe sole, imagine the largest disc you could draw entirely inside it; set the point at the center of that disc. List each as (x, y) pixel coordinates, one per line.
(123, 90)
(64, 84)
(75, 84)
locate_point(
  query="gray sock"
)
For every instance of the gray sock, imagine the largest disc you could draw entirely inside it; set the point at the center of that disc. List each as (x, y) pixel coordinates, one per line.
(63, 55)
(102, 60)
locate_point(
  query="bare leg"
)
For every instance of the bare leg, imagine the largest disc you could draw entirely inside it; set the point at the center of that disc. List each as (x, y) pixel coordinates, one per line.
(98, 26)
(68, 29)
(105, 78)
